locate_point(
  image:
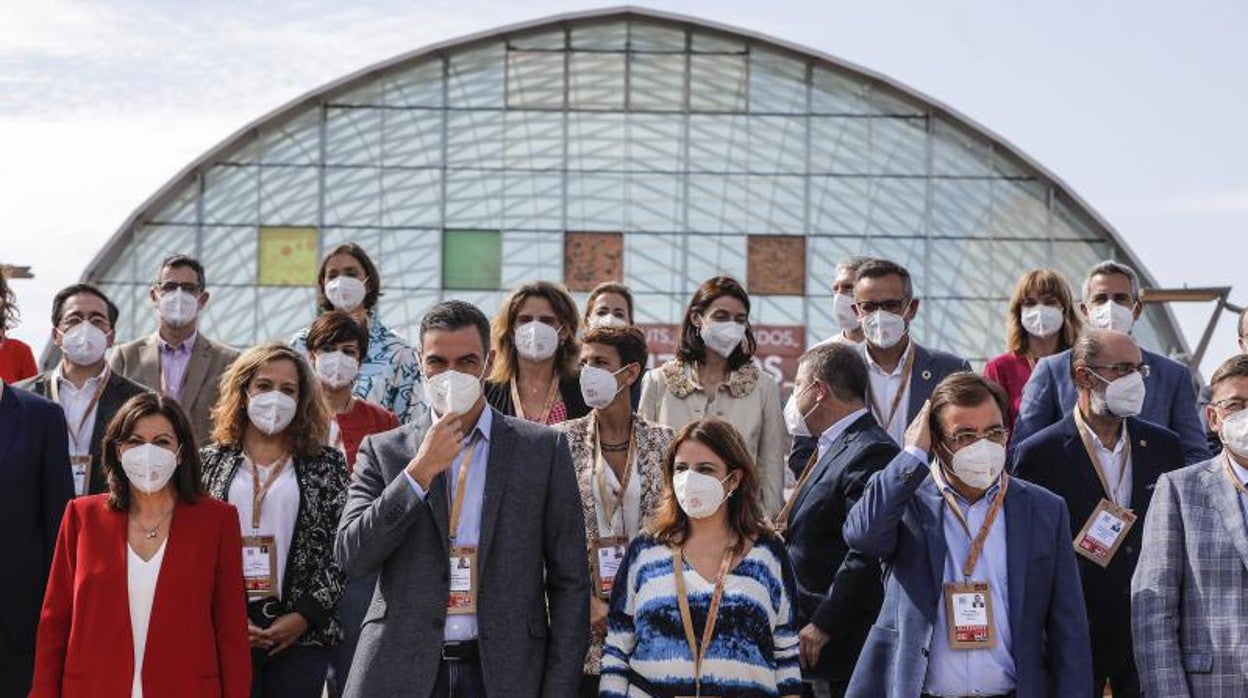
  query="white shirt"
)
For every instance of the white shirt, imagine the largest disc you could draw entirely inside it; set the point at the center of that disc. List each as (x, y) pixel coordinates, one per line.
(884, 386)
(277, 514)
(76, 401)
(1115, 464)
(626, 519)
(141, 579)
(832, 433)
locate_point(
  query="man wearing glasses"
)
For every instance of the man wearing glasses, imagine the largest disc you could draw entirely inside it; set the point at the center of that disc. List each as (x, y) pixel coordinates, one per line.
(177, 360)
(1104, 462)
(1111, 300)
(1190, 589)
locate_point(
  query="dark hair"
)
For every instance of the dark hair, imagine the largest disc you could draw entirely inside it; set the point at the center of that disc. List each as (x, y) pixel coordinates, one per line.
(452, 315)
(372, 284)
(965, 389)
(629, 343)
(841, 367)
(9, 314)
(1234, 367)
(336, 326)
(186, 478)
(691, 348)
(877, 268)
(183, 260)
(505, 354)
(58, 302)
(610, 287)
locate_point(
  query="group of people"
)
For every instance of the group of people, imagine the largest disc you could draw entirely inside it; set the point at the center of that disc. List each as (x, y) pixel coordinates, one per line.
(529, 506)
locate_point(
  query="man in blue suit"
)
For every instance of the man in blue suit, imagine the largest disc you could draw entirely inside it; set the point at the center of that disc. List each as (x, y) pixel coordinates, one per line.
(1111, 300)
(1102, 461)
(981, 591)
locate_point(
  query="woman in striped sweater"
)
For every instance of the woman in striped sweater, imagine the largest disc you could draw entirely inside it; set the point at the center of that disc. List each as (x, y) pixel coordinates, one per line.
(704, 600)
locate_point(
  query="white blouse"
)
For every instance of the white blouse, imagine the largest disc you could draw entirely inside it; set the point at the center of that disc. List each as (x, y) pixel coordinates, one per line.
(277, 514)
(141, 576)
(625, 520)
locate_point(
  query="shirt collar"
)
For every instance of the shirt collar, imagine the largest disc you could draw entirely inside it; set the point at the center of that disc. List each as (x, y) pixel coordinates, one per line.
(185, 345)
(938, 475)
(834, 432)
(60, 376)
(1240, 470)
(901, 362)
(1122, 440)
(485, 423)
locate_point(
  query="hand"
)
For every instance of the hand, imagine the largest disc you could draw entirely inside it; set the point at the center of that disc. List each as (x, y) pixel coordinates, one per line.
(438, 450)
(597, 616)
(810, 642)
(919, 433)
(256, 637)
(285, 631)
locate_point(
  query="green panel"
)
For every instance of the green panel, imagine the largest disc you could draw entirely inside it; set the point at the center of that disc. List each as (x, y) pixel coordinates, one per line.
(472, 259)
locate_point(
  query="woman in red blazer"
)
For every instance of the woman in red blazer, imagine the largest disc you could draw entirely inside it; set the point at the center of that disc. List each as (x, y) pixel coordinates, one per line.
(145, 596)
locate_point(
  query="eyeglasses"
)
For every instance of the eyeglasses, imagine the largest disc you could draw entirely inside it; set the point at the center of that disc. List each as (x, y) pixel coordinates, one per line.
(171, 286)
(1230, 405)
(966, 437)
(894, 306)
(1124, 369)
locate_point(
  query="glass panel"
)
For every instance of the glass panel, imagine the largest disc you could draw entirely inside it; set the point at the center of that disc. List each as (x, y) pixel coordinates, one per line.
(838, 93)
(777, 204)
(600, 36)
(594, 201)
(1070, 225)
(471, 259)
(823, 253)
(418, 86)
(597, 81)
(411, 198)
(709, 42)
(231, 317)
(654, 203)
(151, 245)
(134, 314)
(528, 257)
(548, 39)
(596, 142)
(898, 147)
(777, 83)
(294, 309)
(296, 142)
(406, 259)
(654, 143)
(652, 263)
(534, 140)
(229, 257)
(997, 265)
(353, 196)
(840, 145)
(353, 136)
(820, 321)
(652, 37)
(909, 252)
(961, 207)
(711, 255)
(971, 329)
(719, 203)
(533, 201)
(476, 78)
(535, 79)
(896, 207)
(656, 82)
(719, 143)
(777, 144)
(289, 196)
(231, 194)
(412, 138)
(474, 199)
(1019, 210)
(369, 94)
(183, 208)
(955, 152)
(839, 205)
(717, 83)
(474, 139)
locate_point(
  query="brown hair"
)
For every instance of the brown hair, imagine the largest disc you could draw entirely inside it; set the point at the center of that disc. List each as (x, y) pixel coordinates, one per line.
(187, 485)
(308, 431)
(629, 343)
(1234, 367)
(372, 284)
(610, 287)
(745, 512)
(569, 351)
(964, 389)
(1040, 283)
(336, 326)
(691, 348)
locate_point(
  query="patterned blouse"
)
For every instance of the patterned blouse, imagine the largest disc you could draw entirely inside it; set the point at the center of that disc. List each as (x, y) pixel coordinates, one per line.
(650, 440)
(389, 374)
(312, 582)
(754, 650)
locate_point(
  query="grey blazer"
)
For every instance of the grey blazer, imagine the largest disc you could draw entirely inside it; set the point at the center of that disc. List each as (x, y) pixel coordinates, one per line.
(533, 598)
(1189, 595)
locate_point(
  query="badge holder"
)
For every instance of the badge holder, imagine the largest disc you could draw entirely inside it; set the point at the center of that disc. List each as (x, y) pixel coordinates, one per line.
(260, 567)
(1104, 532)
(968, 607)
(81, 468)
(608, 555)
(463, 594)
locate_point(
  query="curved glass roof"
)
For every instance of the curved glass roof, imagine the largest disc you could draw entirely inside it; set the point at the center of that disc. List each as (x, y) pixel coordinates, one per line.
(624, 144)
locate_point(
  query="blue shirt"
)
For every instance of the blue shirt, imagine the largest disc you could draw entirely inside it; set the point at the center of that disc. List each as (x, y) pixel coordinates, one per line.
(461, 627)
(832, 433)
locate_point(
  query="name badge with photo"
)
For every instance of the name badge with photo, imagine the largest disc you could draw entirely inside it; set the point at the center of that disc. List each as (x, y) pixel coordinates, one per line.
(608, 555)
(1104, 531)
(260, 566)
(968, 608)
(80, 466)
(463, 594)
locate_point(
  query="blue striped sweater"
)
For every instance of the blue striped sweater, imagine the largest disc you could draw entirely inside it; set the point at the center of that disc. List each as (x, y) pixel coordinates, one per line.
(753, 651)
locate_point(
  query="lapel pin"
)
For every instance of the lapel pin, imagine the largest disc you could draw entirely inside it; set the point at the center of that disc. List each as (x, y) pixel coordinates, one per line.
(927, 375)
(1143, 443)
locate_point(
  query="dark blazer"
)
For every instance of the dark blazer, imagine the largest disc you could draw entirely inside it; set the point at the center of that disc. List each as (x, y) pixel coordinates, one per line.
(1055, 459)
(533, 594)
(899, 519)
(1169, 401)
(838, 590)
(35, 485)
(197, 637)
(499, 397)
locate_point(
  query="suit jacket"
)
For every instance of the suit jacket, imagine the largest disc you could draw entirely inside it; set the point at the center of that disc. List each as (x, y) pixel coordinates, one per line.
(139, 361)
(838, 589)
(1056, 460)
(1169, 401)
(533, 593)
(197, 636)
(931, 366)
(116, 392)
(35, 485)
(899, 520)
(1189, 595)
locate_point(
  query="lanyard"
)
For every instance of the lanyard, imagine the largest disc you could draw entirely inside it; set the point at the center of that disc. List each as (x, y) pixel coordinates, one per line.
(461, 485)
(54, 388)
(712, 611)
(901, 390)
(260, 491)
(782, 519)
(612, 502)
(1085, 435)
(1232, 475)
(550, 400)
(977, 544)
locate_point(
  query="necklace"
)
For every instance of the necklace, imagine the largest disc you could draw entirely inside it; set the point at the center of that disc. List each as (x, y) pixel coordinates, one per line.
(614, 448)
(150, 533)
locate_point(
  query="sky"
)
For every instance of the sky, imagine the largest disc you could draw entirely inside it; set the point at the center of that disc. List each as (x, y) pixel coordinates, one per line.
(1136, 105)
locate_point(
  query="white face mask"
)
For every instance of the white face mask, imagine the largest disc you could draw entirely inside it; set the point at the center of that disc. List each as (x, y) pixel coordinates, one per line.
(1111, 316)
(148, 467)
(178, 308)
(980, 464)
(1234, 433)
(794, 420)
(698, 494)
(452, 391)
(1041, 320)
(884, 329)
(607, 320)
(271, 411)
(536, 341)
(336, 369)
(1122, 398)
(598, 386)
(723, 338)
(84, 344)
(345, 292)
(843, 308)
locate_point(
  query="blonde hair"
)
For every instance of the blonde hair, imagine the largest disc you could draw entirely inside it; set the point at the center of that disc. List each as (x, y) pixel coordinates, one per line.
(1039, 283)
(501, 330)
(307, 433)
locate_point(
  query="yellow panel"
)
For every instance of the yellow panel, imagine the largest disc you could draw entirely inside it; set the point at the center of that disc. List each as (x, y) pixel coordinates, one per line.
(288, 256)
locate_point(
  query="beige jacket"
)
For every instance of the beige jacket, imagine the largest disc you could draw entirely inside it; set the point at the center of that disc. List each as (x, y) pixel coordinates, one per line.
(749, 400)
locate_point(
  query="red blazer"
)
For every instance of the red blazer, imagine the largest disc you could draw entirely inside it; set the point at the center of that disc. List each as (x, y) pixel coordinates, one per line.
(197, 638)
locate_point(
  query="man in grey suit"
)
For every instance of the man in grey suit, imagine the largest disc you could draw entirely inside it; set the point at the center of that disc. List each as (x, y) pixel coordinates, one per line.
(1190, 589)
(475, 526)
